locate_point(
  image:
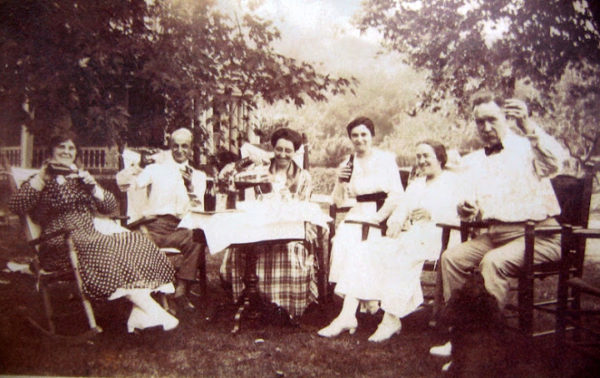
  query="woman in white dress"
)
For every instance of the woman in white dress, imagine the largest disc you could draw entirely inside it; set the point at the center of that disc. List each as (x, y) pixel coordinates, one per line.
(388, 269)
(369, 175)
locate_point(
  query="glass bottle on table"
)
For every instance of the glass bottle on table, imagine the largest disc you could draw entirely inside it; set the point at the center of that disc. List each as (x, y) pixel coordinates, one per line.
(210, 197)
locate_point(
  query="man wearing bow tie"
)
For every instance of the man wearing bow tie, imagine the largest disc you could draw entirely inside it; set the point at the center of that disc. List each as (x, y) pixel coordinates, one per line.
(510, 183)
(174, 187)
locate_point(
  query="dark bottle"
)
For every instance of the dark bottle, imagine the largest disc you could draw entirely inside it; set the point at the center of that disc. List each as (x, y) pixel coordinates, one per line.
(350, 165)
(231, 200)
(210, 197)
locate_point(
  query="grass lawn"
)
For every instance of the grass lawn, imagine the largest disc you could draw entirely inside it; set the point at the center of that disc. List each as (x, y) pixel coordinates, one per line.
(203, 347)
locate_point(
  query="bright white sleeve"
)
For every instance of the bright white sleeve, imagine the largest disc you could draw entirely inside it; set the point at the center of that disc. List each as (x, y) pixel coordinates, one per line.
(393, 173)
(145, 177)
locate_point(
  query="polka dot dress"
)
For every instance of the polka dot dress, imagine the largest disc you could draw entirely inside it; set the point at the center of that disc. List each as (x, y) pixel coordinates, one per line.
(107, 262)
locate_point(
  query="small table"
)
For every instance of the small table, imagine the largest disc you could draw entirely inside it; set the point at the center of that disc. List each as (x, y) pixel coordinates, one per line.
(254, 223)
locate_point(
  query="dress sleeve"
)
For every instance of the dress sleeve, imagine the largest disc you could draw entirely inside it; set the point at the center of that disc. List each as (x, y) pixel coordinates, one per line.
(25, 199)
(108, 204)
(400, 208)
(304, 185)
(395, 202)
(393, 184)
(452, 192)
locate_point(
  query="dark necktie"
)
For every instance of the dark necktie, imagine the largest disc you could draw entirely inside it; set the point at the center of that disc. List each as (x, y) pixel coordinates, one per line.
(493, 149)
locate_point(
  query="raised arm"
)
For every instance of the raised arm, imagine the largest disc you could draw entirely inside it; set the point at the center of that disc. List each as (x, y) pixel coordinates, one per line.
(548, 155)
(128, 177)
(343, 173)
(27, 196)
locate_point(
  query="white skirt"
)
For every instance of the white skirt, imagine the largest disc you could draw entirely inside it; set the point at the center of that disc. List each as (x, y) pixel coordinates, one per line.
(386, 269)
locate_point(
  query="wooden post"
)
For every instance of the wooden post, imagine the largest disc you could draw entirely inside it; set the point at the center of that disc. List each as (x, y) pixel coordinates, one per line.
(26, 148)
(306, 151)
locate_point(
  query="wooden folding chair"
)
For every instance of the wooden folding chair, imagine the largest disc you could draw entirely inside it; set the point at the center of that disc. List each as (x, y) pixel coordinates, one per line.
(44, 279)
(574, 196)
(577, 320)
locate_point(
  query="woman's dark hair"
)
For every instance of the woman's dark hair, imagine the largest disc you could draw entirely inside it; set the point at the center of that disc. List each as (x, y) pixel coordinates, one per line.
(438, 149)
(62, 137)
(361, 121)
(287, 134)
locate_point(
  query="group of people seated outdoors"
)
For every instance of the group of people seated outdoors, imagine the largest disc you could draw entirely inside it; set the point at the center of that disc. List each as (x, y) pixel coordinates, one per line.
(505, 183)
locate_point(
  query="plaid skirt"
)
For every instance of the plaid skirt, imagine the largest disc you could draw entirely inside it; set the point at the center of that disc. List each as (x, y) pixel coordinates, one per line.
(286, 275)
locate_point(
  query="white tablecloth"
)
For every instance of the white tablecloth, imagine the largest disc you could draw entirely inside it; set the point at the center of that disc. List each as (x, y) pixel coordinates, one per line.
(255, 221)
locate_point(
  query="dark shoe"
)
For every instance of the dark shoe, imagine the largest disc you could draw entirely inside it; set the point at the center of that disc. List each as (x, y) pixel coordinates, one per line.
(180, 304)
(196, 290)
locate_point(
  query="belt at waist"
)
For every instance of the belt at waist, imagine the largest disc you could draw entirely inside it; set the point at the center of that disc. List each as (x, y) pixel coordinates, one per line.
(547, 221)
(377, 197)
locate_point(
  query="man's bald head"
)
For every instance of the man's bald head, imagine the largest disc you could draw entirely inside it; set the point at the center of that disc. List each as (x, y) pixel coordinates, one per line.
(181, 144)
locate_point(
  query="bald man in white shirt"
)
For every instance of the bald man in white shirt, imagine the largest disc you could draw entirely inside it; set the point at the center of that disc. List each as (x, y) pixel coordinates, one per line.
(174, 187)
(510, 179)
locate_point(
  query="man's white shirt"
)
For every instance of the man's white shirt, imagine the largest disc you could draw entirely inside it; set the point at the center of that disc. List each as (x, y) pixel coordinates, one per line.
(168, 194)
(514, 185)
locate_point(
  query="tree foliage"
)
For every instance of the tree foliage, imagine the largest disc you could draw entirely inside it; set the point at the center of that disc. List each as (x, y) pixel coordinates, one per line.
(539, 41)
(126, 70)
(465, 45)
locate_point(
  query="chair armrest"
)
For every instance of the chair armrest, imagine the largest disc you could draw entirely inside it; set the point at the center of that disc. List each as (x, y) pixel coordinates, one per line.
(448, 225)
(366, 226)
(476, 224)
(593, 233)
(141, 222)
(369, 224)
(583, 286)
(342, 209)
(547, 230)
(52, 235)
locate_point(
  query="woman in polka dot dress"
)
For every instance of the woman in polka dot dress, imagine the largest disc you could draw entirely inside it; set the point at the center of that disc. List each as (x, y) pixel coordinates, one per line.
(126, 264)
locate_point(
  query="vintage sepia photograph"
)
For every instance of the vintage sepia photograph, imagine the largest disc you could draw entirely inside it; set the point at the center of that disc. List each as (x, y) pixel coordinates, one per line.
(293, 188)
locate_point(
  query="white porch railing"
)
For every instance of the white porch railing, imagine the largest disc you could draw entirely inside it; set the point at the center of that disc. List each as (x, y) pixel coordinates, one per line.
(97, 159)
(10, 156)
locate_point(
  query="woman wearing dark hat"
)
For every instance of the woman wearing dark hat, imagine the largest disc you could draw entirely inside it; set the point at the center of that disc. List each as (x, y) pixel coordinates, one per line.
(286, 271)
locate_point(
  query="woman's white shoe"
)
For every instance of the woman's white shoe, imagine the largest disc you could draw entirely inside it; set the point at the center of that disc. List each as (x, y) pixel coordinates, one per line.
(138, 319)
(389, 326)
(337, 327)
(442, 350)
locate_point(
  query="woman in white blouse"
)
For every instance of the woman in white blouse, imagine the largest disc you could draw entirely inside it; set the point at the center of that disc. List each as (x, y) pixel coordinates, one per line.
(388, 269)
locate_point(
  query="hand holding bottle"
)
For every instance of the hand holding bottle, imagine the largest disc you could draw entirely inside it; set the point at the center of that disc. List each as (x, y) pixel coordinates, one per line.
(344, 173)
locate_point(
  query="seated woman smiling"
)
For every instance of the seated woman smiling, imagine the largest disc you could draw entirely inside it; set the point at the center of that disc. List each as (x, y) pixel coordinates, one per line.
(286, 271)
(388, 269)
(126, 264)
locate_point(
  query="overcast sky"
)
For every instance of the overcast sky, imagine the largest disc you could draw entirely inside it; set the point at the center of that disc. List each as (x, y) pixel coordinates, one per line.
(321, 32)
(318, 31)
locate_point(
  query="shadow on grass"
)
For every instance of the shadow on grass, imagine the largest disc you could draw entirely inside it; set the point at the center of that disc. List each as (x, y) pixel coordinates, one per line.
(199, 346)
